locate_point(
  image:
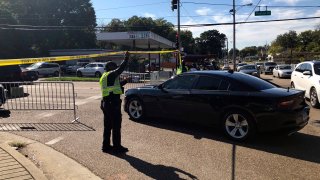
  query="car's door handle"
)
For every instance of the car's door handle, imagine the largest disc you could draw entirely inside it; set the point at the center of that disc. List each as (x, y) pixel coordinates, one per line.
(177, 97)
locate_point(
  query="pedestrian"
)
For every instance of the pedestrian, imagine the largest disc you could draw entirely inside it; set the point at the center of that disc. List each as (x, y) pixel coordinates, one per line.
(111, 88)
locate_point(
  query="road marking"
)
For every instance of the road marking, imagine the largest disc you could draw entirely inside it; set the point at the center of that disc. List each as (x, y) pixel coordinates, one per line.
(53, 141)
(87, 100)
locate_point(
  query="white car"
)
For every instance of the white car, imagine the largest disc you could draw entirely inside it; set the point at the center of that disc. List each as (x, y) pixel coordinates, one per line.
(282, 71)
(45, 68)
(92, 69)
(306, 76)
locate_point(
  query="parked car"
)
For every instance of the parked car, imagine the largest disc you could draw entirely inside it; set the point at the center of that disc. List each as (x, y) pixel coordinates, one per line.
(73, 69)
(240, 65)
(306, 77)
(226, 67)
(249, 69)
(45, 68)
(14, 73)
(268, 67)
(92, 69)
(239, 103)
(282, 71)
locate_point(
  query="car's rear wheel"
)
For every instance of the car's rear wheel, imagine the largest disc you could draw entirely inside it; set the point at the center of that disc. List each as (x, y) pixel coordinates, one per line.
(56, 74)
(292, 85)
(314, 98)
(79, 74)
(97, 74)
(135, 109)
(238, 125)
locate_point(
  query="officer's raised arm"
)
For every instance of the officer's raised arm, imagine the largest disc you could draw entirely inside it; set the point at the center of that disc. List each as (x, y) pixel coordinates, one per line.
(123, 65)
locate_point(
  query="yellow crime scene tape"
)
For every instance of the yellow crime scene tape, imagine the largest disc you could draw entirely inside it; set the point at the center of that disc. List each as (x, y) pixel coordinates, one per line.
(7, 62)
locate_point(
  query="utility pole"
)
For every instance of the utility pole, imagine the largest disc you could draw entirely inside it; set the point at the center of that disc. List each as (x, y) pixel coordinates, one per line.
(179, 38)
(234, 35)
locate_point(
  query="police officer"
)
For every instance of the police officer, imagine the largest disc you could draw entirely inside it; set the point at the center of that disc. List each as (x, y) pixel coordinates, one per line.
(111, 88)
(182, 68)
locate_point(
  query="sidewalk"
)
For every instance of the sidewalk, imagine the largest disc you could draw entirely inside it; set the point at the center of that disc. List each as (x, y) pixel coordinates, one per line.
(52, 164)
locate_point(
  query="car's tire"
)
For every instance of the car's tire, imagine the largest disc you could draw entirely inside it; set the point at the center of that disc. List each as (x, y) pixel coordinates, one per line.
(135, 109)
(56, 74)
(79, 73)
(97, 74)
(238, 125)
(314, 98)
(292, 85)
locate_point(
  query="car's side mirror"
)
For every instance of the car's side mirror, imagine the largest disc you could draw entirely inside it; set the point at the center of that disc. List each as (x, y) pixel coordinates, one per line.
(306, 73)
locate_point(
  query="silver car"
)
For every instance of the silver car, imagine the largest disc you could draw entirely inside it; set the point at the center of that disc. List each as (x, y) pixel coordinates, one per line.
(92, 69)
(249, 69)
(282, 71)
(45, 68)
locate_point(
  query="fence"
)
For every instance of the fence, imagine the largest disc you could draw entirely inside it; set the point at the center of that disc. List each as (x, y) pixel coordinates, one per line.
(40, 96)
(135, 79)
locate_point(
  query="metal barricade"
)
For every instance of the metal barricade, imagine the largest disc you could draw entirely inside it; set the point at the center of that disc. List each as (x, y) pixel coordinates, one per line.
(135, 80)
(40, 96)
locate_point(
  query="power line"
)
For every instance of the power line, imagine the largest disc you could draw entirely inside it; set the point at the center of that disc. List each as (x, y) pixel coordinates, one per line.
(253, 10)
(183, 26)
(214, 4)
(123, 7)
(249, 22)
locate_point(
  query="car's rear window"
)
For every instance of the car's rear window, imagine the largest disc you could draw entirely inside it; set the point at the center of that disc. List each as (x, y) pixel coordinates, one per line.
(252, 82)
(317, 69)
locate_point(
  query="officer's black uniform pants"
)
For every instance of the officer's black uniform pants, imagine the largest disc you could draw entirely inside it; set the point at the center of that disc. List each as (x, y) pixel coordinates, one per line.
(112, 121)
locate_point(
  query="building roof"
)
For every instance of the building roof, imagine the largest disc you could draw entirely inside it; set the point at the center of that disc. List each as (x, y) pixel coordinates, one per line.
(139, 39)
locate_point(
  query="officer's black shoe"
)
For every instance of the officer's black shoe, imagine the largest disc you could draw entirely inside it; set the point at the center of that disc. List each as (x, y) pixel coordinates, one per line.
(107, 149)
(120, 149)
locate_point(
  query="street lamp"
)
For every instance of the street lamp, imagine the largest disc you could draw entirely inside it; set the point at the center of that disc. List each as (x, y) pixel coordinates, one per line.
(233, 11)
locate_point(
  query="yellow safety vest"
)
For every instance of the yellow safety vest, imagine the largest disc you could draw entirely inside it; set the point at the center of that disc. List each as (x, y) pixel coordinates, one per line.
(179, 70)
(106, 90)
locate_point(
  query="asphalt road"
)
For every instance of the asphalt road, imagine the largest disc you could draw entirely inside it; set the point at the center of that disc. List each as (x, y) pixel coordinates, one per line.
(162, 149)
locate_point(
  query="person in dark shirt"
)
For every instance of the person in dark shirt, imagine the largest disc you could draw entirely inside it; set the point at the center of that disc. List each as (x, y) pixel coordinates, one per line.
(112, 88)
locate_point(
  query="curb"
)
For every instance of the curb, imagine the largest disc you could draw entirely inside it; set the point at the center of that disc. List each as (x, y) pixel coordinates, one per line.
(21, 167)
(53, 164)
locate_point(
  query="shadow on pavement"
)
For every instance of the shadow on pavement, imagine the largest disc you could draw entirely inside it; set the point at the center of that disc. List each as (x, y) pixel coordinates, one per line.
(299, 145)
(155, 171)
(44, 127)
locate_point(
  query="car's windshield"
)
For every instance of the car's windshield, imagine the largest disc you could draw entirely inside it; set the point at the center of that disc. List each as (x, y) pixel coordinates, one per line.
(270, 64)
(316, 69)
(285, 67)
(248, 67)
(35, 65)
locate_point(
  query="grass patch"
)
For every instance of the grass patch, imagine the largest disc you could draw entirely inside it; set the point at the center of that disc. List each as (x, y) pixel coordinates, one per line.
(18, 145)
(87, 79)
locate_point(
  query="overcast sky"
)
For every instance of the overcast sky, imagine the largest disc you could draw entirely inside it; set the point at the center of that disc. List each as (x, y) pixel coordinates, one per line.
(194, 12)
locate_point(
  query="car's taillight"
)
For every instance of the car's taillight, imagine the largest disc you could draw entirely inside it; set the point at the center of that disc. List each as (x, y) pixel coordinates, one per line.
(285, 104)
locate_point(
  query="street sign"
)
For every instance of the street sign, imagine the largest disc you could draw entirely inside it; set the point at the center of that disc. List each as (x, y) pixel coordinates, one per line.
(262, 13)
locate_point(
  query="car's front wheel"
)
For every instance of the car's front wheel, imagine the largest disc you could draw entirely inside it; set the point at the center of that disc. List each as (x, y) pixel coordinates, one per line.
(292, 85)
(135, 109)
(314, 98)
(238, 125)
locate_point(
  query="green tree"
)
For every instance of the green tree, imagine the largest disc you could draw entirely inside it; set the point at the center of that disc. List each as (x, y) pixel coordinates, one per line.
(77, 13)
(211, 42)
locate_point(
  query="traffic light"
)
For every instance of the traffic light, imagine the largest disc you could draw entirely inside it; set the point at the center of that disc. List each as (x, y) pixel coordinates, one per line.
(177, 41)
(174, 4)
